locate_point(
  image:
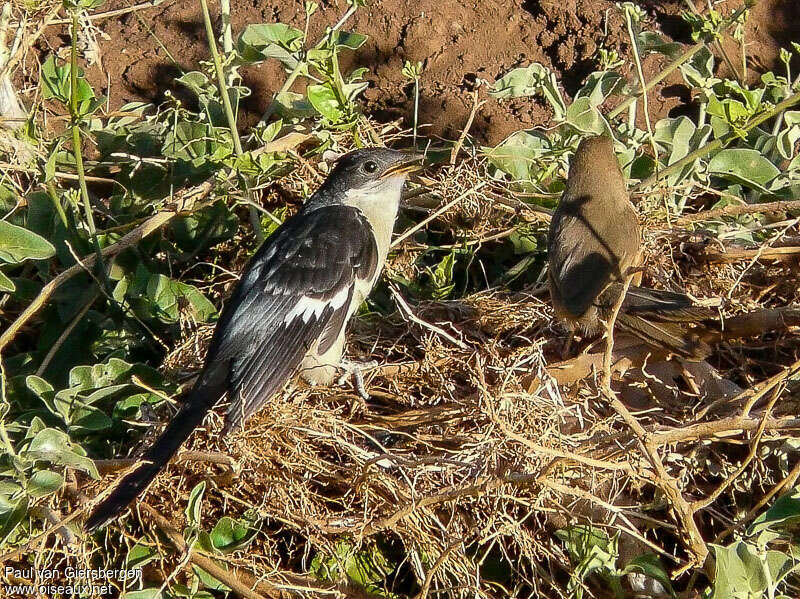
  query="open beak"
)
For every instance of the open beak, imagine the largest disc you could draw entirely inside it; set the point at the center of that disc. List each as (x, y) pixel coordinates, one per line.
(410, 163)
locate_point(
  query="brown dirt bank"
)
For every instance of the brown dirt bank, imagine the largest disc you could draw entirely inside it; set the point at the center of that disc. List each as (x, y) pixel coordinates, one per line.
(458, 42)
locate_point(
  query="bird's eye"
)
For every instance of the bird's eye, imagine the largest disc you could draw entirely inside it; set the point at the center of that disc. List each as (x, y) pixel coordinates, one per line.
(370, 167)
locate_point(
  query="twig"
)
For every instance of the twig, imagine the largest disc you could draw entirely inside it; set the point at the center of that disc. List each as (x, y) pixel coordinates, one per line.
(786, 483)
(638, 62)
(76, 148)
(406, 310)
(207, 564)
(426, 586)
(718, 46)
(461, 138)
(206, 457)
(27, 549)
(29, 41)
(721, 427)
(186, 202)
(662, 479)
(436, 214)
(738, 210)
(737, 255)
(563, 455)
(109, 13)
(226, 104)
(729, 480)
(66, 333)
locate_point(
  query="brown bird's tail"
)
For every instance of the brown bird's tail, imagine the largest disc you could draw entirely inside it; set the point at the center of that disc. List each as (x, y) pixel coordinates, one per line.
(668, 320)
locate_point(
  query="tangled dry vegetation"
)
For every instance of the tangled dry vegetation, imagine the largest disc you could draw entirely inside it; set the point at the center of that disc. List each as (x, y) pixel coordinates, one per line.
(478, 443)
(483, 464)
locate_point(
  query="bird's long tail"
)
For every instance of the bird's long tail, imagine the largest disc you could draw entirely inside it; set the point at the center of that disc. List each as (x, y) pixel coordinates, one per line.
(199, 402)
(665, 319)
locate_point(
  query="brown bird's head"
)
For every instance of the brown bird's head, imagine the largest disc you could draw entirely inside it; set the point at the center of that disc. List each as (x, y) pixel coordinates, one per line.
(594, 168)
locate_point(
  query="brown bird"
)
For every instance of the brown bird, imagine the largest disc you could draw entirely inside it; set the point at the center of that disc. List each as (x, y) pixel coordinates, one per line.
(594, 243)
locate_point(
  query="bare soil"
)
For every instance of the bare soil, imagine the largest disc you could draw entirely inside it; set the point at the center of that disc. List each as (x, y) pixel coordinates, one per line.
(458, 43)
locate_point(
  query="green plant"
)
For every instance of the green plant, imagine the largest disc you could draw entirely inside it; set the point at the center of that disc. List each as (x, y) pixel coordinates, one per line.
(594, 552)
(413, 71)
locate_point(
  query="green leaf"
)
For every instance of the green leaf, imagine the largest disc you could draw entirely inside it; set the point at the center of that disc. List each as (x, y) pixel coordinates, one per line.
(6, 284)
(699, 71)
(519, 154)
(739, 572)
(649, 565)
(11, 515)
(442, 277)
(205, 228)
(153, 593)
(55, 80)
(170, 297)
(229, 535)
(744, 166)
(18, 244)
(349, 40)
(55, 446)
(208, 580)
(44, 482)
(784, 512)
(263, 41)
(789, 136)
(585, 117)
(139, 555)
(292, 105)
(600, 85)
(324, 100)
(530, 81)
(649, 41)
(192, 510)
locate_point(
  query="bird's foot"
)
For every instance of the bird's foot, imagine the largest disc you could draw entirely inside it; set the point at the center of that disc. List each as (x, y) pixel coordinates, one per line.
(566, 348)
(355, 370)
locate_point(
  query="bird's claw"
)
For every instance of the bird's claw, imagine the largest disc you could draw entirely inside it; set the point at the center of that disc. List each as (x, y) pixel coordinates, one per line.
(355, 370)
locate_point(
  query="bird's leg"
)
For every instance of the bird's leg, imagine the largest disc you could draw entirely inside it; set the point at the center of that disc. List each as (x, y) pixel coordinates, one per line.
(566, 349)
(355, 370)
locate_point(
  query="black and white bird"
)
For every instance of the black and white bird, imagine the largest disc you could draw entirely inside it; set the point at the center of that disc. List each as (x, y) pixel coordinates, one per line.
(291, 307)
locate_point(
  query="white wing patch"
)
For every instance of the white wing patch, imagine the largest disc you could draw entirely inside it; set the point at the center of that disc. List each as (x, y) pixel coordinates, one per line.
(309, 307)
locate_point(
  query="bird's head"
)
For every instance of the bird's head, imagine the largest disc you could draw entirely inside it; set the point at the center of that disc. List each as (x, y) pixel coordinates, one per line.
(595, 155)
(369, 175)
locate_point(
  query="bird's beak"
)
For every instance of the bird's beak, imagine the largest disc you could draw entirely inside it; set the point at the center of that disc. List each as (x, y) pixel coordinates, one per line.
(408, 164)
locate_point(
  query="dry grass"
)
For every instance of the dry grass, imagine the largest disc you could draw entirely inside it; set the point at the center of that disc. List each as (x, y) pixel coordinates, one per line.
(470, 451)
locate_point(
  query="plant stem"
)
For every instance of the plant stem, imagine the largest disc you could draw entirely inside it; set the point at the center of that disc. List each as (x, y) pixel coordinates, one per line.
(51, 191)
(302, 63)
(4, 410)
(223, 88)
(719, 143)
(226, 104)
(671, 67)
(416, 108)
(76, 147)
(638, 61)
(227, 30)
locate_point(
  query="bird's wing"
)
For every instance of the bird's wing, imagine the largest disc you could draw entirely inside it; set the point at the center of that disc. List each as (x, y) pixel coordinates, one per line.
(665, 306)
(297, 287)
(578, 266)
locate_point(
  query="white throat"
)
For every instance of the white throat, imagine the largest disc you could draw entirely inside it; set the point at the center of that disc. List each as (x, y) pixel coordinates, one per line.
(379, 203)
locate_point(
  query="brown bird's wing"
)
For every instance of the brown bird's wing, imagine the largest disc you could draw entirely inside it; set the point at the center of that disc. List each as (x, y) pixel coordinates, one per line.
(675, 338)
(663, 306)
(581, 263)
(661, 319)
